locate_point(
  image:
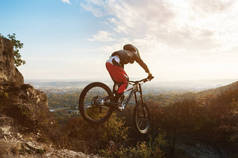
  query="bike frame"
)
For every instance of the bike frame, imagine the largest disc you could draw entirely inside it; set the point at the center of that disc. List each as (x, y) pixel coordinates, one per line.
(133, 90)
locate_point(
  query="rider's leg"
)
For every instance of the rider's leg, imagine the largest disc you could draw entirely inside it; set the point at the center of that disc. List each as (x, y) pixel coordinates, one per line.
(124, 84)
(122, 87)
(118, 75)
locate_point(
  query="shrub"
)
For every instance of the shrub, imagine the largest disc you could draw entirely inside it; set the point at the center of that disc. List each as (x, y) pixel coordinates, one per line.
(17, 45)
(82, 136)
(141, 150)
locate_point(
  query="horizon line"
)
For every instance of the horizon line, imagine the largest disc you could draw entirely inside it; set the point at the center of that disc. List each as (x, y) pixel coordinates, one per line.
(85, 80)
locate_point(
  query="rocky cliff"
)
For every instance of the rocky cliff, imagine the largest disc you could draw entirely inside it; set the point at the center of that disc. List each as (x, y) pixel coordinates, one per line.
(18, 100)
(24, 114)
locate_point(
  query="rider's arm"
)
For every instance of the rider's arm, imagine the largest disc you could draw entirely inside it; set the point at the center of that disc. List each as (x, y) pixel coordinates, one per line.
(142, 64)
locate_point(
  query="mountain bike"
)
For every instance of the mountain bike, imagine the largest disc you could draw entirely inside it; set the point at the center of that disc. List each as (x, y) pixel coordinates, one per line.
(96, 103)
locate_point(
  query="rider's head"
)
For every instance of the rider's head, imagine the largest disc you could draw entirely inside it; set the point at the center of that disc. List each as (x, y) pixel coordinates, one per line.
(130, 48)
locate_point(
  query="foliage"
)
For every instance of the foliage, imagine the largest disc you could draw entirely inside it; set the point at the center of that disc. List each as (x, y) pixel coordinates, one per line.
(82, 136)
(63, 99)
(215, 122)
(140, 151)
(181, 119)
(17, 45)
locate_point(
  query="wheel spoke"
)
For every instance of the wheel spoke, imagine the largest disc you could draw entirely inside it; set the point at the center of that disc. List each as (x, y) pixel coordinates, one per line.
(93, 102)
(140, 123)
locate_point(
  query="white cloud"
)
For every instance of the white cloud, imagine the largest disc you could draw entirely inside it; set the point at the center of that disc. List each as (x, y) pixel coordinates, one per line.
(94, 6)
(198, 25)
(96, 12)
(211, 6)
(102, 36)
(66, 1)
(189, 38)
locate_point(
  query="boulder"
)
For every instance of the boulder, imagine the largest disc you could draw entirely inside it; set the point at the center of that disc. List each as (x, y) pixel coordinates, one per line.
(25, 104)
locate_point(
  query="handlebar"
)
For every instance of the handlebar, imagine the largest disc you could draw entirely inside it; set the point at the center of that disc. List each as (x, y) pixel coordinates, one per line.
(142, 80)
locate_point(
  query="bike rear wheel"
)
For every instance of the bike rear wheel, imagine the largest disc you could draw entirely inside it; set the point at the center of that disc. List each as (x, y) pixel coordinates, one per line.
(142, 118)
(94, 103)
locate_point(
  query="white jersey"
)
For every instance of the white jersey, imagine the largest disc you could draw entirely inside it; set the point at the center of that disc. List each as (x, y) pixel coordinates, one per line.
(116, 58)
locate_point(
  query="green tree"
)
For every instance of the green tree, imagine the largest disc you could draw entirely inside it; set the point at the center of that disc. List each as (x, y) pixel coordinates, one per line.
(17, 45)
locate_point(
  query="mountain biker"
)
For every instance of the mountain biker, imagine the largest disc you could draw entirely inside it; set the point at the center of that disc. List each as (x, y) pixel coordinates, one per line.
(115, 67)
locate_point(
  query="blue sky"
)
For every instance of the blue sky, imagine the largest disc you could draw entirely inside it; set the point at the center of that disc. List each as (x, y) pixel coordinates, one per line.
(43, 23)
(53, 34)
(72, 39)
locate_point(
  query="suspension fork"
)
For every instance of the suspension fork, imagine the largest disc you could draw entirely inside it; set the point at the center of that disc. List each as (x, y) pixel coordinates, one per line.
(135, 98)
(141, 95)
(142, 101)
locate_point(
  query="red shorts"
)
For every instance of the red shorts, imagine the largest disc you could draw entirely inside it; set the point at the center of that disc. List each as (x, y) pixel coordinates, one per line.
(118, 75)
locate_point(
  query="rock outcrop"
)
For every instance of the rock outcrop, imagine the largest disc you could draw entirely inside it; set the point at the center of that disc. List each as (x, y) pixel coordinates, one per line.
(25, 104)
(8, 71)
(18, 100)
(14, 144)
(24, 114)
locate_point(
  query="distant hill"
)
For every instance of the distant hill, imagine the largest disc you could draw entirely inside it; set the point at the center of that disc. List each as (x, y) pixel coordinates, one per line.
(58, 84)
(212, 93)
(154, 87)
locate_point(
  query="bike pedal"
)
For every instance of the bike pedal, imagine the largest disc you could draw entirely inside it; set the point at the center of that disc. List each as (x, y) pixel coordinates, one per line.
(121, 107)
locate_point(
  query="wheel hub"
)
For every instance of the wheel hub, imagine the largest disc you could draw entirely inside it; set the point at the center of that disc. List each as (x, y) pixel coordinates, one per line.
(97, 101)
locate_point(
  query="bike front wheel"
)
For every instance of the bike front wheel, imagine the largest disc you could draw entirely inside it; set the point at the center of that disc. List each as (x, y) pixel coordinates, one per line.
(142, 118)
(94, 103)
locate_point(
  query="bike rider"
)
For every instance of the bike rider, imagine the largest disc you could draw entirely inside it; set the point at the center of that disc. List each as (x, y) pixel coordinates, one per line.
(115, 67)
